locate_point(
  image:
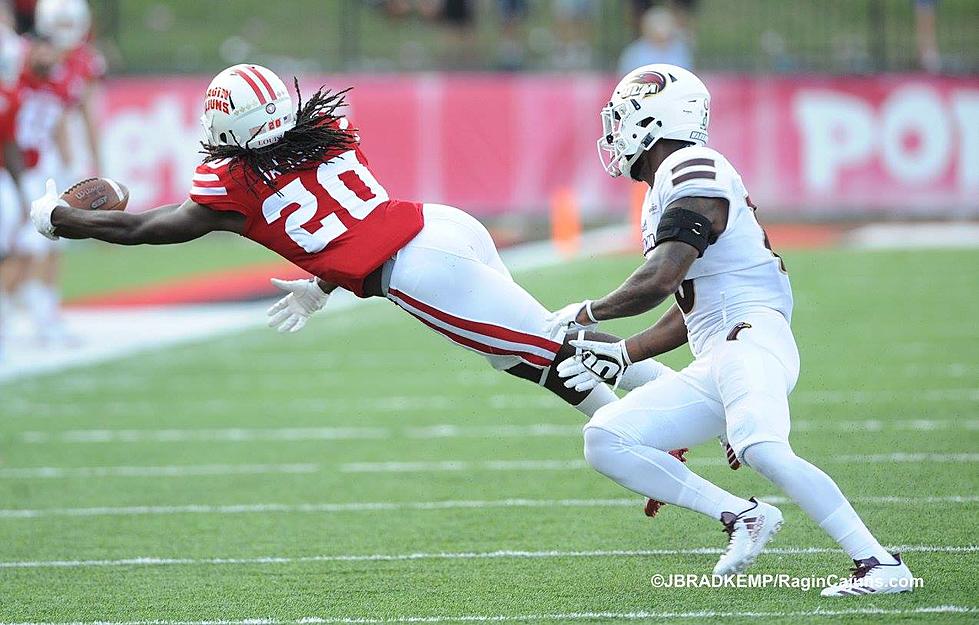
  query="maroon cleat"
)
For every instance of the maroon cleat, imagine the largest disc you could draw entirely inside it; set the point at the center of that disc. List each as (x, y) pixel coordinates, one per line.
(732, 458)
(653, 506)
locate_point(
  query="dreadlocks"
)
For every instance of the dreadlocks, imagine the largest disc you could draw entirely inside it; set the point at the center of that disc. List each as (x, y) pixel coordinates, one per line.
(302, 146)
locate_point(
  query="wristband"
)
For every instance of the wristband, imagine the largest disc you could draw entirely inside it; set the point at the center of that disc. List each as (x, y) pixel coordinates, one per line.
(588, 312)
(626, 360)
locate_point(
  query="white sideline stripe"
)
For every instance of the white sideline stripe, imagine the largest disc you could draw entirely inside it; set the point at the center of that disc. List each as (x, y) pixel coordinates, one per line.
(160, 471)
(154, 328)
(388, 506)
(463, 555)
(414, 467)
(434, 431)
(557, 465)
(558, 616)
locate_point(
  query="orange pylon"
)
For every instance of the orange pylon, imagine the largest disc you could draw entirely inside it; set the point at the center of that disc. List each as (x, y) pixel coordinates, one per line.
(565, 222)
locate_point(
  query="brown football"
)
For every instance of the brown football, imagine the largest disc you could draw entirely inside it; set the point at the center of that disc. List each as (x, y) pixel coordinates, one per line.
(101, 194)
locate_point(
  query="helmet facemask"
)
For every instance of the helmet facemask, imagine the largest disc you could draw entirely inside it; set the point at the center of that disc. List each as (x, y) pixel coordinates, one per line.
(626, 135)
(650, 103)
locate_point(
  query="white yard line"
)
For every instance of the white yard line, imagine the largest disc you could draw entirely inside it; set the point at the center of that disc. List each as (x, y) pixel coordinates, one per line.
(543, 617)
(190, 470)
(392, 506)
(464, 555)
(158, 471)
(827, 396)
(558, 465)
(241, 435)
(94, 399)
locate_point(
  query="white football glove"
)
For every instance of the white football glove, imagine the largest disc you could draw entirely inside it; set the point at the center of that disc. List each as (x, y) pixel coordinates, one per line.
(42, 207)
(562, 321)
(304, 298)
(594, 363)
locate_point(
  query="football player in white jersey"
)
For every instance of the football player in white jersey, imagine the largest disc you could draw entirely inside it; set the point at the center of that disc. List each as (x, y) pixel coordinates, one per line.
(703, 243)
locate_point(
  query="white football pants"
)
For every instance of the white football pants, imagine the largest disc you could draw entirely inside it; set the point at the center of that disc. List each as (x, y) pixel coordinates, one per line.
(451, 278)
(737, 387)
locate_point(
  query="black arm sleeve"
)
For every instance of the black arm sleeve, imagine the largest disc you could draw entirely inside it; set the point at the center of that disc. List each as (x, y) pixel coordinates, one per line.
(686, 226)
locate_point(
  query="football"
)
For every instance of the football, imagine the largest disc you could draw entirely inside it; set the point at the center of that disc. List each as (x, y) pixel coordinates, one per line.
(97, 194)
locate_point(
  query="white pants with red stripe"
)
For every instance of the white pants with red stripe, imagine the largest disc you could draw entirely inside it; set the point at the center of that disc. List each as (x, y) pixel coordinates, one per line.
(451, 278)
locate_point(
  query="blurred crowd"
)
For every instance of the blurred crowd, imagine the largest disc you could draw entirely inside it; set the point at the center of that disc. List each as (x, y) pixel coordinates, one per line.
(564, 35)
(561, 36)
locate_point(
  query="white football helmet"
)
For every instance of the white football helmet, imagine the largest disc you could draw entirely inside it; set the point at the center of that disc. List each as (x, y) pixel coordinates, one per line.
(246, 105)
(652, 102)
(65, 23)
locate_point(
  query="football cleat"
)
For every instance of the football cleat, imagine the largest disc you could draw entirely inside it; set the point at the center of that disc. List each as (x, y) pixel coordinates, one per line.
(750, 531)
(653, 506)
(870, 577)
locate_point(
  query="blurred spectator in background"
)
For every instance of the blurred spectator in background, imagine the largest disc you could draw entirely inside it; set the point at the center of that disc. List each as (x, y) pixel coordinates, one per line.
(924, 22)
(682, 10)
(573, 21)
(511, 53)
(662, 40)
(459, 49)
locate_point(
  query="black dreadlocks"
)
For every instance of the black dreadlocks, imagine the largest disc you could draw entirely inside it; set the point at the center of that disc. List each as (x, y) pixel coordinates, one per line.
(301, 147)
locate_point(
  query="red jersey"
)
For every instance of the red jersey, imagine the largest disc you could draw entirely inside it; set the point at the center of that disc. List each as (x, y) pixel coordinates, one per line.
(334, 220)
(44, 99)
(12, 52)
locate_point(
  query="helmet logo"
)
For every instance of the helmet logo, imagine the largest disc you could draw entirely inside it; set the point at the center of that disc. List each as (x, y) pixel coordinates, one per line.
(270, 108)
(646, 83)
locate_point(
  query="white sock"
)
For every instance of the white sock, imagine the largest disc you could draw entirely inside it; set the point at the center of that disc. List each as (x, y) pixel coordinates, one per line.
(846, 528)
(819, 496)
(641, 372)
(598, 397)
(656, 474)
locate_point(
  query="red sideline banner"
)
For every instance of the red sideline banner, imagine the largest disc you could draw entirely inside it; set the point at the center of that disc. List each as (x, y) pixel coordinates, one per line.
(861, 146)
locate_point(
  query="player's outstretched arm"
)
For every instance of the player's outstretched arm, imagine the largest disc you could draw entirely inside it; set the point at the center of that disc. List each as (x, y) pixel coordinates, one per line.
(629, 362)
(174, 223)
(687, 227)
(655, 280)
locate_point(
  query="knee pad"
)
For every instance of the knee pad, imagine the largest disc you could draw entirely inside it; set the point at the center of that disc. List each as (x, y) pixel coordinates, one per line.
(601, 447)
(768, 457)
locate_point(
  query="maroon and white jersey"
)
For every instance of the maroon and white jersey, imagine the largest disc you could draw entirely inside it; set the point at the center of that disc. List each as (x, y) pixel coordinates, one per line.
(334, 220)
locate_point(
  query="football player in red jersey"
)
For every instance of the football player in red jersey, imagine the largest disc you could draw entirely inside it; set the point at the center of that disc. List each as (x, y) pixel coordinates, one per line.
(13, 199)
(299, 184)
(58, 80)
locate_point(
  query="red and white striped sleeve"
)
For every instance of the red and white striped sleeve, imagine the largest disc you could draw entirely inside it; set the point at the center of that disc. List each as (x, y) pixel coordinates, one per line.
(209, 186)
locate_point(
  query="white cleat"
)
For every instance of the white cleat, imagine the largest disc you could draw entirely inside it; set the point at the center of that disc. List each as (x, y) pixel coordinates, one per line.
(750, 531)
(870, 577)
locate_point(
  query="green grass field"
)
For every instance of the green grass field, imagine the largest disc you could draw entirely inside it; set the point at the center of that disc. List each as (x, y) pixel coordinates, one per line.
(253, 467)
